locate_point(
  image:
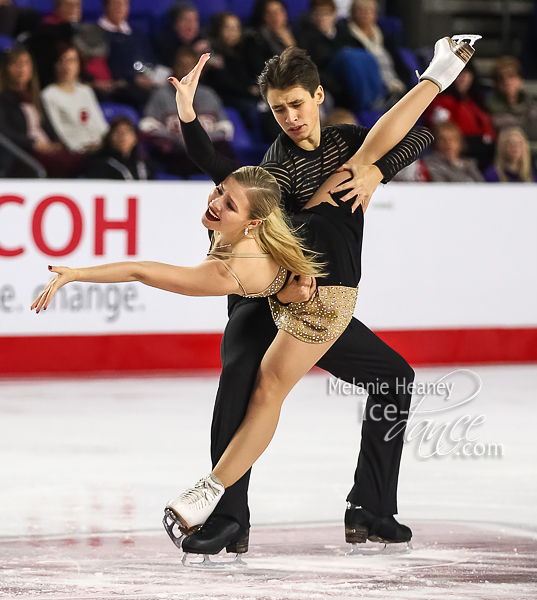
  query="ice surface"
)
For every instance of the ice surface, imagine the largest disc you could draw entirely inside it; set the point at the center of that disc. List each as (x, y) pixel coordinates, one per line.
(86, 466)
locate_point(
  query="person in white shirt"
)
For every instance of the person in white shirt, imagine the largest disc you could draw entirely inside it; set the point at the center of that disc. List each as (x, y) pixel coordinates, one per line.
(72, 107)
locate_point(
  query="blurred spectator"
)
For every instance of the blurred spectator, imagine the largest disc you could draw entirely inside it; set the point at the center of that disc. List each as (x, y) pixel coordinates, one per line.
(24, 123)
(446, 163)
(512, 162)
(130, 60)
(322, 36)
(162, 121)
(417, 172)
(340, 116)
(15, 20)
(365, 32)
(509, 104)
(59, 26)
(72, 106)
(463, 104)
(230, 77)
(120, 156)
(181, 29)
(270, 34)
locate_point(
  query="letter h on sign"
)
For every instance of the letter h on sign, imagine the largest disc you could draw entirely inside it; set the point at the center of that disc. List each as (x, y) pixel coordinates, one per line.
(102, 225)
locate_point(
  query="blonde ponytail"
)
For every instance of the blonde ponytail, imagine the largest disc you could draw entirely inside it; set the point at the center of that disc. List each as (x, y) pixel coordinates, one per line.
(275, 234)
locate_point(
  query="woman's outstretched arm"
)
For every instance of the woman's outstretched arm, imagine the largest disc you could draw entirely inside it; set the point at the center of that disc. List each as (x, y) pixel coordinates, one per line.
(209, 278)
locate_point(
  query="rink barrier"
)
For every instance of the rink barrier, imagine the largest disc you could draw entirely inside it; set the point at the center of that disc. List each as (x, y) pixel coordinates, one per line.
(197, 352)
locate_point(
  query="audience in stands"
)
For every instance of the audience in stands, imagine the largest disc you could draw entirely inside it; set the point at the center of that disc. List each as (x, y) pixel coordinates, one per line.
(322, 36)
(512, 162)
(509, 104)
(363, 29)
(131, 60)
(162, 121)
(270, 34)
(120, 156)
(59, 26)
(72, 106)
(182, 29)
(23, 121)
(463, 104)
(230, 76)
(446, 163)
(15, 20)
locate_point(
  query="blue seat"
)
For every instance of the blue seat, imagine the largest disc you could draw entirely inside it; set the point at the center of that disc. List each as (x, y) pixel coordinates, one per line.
(368, 118)
(248, 151)
(411, 62)
(6, 43)
(392, 27)
(242, 8)
(111, 110)
(43, 6)
(208, 9)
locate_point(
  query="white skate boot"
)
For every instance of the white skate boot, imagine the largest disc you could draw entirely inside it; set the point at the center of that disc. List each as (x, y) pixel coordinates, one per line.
(191, 509)
(450, 58)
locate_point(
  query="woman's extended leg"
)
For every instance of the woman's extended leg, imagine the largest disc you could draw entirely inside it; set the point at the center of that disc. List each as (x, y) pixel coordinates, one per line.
(285, 363)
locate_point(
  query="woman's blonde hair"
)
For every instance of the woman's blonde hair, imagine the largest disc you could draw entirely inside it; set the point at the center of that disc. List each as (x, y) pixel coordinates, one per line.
(524, 171)
(275, 234)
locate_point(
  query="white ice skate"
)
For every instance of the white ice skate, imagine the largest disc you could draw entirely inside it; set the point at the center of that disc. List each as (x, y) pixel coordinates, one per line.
(191, 509)
(450, 58)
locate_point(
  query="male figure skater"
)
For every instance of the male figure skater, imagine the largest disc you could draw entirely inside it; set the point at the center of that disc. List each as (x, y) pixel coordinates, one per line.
(301, 159)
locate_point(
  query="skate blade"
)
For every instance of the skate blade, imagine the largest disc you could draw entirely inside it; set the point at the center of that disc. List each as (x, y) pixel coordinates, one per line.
(380, 550)
(212, 562)
(175, 528)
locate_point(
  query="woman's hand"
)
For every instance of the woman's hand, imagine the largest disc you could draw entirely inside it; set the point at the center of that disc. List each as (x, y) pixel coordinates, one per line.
(365, 179)
(186, 89)
(64, 275)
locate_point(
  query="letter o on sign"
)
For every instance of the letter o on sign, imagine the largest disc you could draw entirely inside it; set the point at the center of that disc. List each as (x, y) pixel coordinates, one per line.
(37, 226)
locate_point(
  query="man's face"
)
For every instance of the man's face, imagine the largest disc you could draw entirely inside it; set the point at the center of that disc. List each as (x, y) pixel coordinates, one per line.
(296, 111)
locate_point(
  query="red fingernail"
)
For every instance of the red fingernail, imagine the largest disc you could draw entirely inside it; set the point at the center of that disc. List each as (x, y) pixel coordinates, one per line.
(49, 268)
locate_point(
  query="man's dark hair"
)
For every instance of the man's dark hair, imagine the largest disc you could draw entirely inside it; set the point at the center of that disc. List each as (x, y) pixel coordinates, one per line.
(292, 68)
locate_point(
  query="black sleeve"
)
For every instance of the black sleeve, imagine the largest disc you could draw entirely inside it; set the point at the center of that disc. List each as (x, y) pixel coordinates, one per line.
(201, 151)
(400, 156)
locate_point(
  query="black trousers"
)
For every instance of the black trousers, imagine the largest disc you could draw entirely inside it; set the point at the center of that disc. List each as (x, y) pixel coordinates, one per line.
(358, 356)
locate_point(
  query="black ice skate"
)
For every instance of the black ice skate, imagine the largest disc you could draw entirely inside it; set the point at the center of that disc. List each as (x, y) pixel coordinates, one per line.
(217, 533)
(362, 525)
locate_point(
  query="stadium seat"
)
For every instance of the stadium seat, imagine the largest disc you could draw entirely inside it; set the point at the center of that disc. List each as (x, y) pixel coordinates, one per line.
(111, 110)
(411, 62)
(6, 43)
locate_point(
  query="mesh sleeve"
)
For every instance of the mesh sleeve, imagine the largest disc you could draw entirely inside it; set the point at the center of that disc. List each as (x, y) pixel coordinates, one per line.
(404, 153)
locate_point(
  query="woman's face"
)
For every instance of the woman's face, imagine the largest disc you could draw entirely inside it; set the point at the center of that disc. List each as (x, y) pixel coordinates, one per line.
(515, 147)
(464, 81)
(70, 11)
(509, 81)
(448, 142)
(187, 26)
(365, 15)
(68, 66)
(275, 16)
(123, 139)
(20, 71)
(230, 33)
(228, 208)
(324, 18)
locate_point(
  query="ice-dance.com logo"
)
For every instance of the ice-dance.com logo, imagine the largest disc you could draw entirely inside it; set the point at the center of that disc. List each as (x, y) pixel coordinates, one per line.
(435, 421)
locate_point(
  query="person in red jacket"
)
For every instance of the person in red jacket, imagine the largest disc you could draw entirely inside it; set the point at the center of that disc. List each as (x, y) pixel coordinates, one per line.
(463, 105)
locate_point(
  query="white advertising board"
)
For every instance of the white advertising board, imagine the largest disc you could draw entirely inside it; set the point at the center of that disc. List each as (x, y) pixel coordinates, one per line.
(435, 256)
